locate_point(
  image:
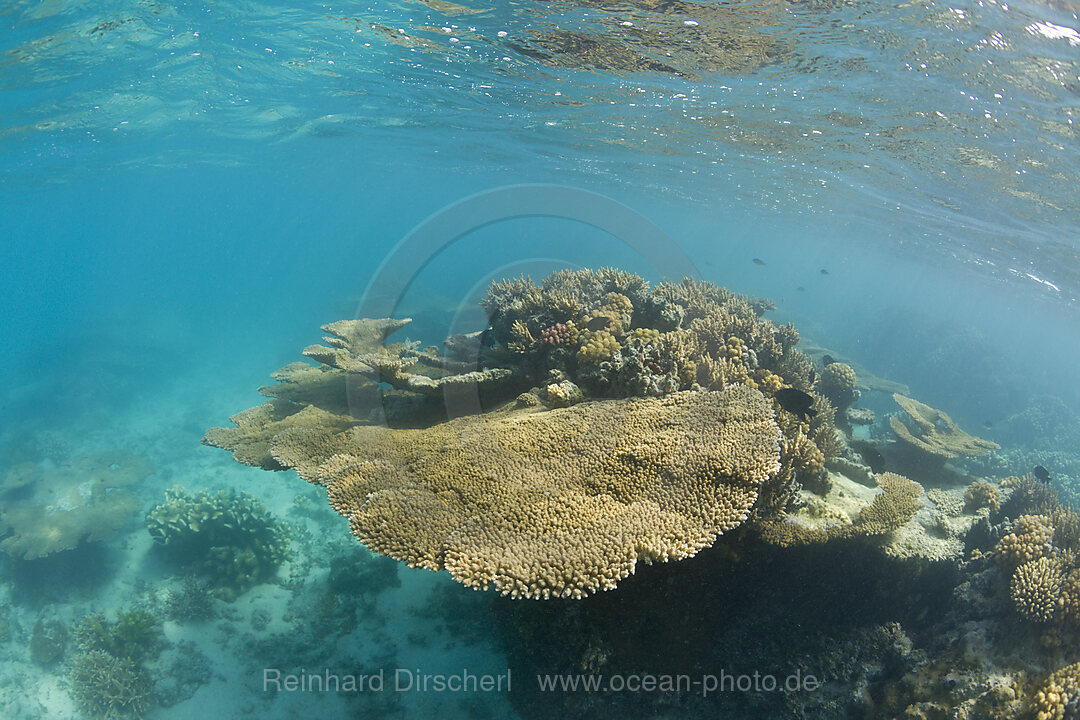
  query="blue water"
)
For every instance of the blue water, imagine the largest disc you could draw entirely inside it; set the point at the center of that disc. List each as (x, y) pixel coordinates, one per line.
(188, 190)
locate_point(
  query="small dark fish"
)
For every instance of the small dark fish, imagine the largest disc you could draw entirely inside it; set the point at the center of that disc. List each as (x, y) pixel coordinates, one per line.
(813, 375)
(1042, 473)
(824, 271)
(597, 323)
(988, 425)
(758, 261)
(827, 360)
(796, 402)
(873, 459)
(801, 289)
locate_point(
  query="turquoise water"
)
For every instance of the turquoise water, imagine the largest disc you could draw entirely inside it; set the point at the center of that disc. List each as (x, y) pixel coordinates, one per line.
(188, 190)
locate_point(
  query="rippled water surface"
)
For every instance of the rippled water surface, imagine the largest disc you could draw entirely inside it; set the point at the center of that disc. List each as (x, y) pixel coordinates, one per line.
(948, 125)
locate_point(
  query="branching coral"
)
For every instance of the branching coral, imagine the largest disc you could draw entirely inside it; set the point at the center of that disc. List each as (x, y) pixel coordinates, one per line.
(894, 506)
(1028, 495)
(136, 634)
(109, 687)
(1030, 540)
(1036, 588)
(230, 538)
(1042, 552)
(980, 494)
(108, 679)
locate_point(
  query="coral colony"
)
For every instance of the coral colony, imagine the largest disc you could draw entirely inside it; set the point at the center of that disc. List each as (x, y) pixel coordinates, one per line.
(620, 425)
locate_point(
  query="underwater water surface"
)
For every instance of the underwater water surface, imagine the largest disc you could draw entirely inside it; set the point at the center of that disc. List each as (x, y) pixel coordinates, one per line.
(189, 191)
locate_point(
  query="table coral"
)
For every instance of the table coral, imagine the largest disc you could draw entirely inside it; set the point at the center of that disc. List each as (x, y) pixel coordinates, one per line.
(49, 510)
(466, 493)
(558, 503)
(357, 346)
(934, 432)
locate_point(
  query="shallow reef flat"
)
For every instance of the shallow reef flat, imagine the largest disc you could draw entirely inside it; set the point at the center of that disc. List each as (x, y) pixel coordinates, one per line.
(613, 481)
(601, 429)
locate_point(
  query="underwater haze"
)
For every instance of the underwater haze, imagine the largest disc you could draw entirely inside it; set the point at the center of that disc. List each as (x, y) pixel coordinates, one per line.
(875, 359)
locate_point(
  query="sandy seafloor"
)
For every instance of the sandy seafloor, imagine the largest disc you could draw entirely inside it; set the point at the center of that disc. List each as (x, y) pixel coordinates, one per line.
(404, 627)
(427, 623)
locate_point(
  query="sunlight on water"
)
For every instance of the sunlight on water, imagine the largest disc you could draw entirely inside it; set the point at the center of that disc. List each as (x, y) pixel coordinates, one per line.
(962, 114)
(736, 338)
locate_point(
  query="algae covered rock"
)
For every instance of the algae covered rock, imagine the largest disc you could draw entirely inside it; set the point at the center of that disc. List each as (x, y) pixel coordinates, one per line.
(47, 641)
(229, 538)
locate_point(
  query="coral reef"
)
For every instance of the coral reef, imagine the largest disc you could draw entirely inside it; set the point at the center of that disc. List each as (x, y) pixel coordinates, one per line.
(980, 494)
(837, 383)
(581, 494)
(1059, 697)
(47, 641)
(582, 491)
(46, 511)
(108, 677)
(933, 432)
(635, 424)
(630, 339)
(136, 634)
(228, 538)
(109, 687)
